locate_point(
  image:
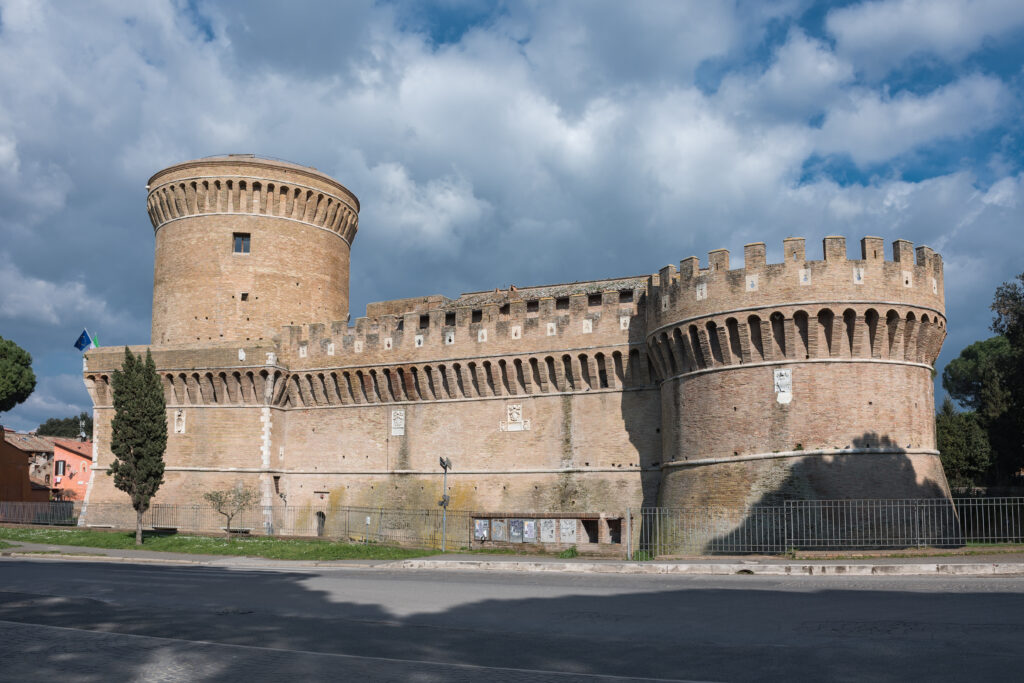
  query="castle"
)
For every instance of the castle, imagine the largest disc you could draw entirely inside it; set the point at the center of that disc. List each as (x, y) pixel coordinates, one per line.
(698, 385)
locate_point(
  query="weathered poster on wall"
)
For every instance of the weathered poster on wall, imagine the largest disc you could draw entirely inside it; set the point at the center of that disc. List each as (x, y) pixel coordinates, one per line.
(529, 531)
(567, 530)
(515, 530)
(499, 530)
(547, 531)
(481, 529)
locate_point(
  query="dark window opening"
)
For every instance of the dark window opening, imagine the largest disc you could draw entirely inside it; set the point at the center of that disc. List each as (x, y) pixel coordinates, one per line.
(532, 307)
(503, 312)
(277, 484)
(245, 296)
(401, 325)
(449, 319)
(625, 296)
(615, 530)
(478, 315)
(562, 303)
(241, 242)
(590, 529)
(424, 322)
(594, 300)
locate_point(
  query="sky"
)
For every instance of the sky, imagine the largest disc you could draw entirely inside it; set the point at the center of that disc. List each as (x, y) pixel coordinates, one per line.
(493, 144)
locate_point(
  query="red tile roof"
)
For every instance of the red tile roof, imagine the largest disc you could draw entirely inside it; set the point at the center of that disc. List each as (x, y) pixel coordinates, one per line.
(30, 443)
(83, 448)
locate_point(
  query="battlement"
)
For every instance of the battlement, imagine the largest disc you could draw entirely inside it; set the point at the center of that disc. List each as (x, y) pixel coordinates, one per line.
(515, 320)
(912, 277)
(247, 185)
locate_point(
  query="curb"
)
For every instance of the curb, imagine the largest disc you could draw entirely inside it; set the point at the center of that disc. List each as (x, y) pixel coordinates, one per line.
(227, 563)
(675, 568)
(726, 569)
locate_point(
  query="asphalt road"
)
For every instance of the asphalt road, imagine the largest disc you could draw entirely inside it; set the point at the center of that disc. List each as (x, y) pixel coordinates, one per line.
(80, 621)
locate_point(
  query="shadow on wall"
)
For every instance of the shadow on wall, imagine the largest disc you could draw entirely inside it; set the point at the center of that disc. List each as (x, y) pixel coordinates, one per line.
(641, 408)
(866, 508)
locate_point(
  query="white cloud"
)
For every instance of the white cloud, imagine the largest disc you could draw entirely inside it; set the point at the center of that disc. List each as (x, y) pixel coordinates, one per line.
(27, 298)
(872, 127)
(880, 35)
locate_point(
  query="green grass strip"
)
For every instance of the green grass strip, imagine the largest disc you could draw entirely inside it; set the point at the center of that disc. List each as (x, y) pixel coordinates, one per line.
(258, 546)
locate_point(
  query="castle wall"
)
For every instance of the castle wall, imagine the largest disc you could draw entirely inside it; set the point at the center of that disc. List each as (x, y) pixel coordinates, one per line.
(693, 386)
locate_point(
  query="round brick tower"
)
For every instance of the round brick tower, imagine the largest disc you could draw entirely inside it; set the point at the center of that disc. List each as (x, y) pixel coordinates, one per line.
(245, 245)
(798, 380)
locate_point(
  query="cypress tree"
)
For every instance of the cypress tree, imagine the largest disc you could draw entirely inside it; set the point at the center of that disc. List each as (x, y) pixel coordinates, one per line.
(138, 432)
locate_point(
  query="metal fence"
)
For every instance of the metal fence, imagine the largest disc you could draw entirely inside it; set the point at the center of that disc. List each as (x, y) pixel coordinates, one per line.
(825, 525)
(421, 528)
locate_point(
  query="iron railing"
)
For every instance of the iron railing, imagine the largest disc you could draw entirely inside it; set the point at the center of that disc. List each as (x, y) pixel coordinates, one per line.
(421, 528)
(825, 525)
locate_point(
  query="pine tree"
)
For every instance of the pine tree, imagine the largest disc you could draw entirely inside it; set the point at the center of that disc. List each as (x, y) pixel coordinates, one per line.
(138, 432)
(963, 446)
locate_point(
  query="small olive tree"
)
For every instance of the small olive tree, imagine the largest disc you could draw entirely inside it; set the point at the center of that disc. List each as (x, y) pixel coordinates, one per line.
(230, 502)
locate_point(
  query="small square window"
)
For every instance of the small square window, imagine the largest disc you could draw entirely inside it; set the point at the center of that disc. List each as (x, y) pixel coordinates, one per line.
(241, 243)
(532, 308)
(245, 296)
(625, 296)
(594, 300)
(424, 322)
(478, 315)
(562, 303)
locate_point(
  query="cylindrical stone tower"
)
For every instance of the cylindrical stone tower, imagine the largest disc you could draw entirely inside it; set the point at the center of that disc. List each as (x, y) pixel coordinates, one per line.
(245, 245)
(798, 380)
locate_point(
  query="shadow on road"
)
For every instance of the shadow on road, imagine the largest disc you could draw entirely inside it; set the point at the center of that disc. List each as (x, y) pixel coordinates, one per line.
(110, 620)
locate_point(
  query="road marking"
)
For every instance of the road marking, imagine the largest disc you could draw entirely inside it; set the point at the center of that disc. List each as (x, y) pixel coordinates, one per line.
(417, 662)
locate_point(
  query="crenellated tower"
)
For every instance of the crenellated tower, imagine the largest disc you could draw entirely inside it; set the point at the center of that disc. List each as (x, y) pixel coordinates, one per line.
(800, 379)
(245, 245)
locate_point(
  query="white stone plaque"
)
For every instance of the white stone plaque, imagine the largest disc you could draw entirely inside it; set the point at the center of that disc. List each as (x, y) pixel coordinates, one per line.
(481, 335)
(858, 275)
(387, 343)
(567, 530)
(552, 329)
(623, 322)
(752, 283)
(805, 276)
(302, 351)
(547, 531)
(241, 354)
(702, 291)
(514, 421)
(516, 332)
(357, 346)
(330, 348)
(588, 326)
(908, 278)
(664, 303)
(419, 340)
(449, 338)
(784, 385)
(179, 421)
(935, 286)
(398, 422)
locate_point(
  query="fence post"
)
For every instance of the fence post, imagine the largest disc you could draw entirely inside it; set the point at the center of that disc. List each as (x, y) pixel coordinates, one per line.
(629, 534)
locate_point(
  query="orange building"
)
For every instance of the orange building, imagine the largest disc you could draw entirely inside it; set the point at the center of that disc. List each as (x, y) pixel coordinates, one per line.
(72, 461)
(21, 476)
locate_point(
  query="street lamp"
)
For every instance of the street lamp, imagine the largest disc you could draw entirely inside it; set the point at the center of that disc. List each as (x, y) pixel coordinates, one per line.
(446, 464)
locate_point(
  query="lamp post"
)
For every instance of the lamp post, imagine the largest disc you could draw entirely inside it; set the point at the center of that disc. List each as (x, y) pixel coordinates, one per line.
(446, 463)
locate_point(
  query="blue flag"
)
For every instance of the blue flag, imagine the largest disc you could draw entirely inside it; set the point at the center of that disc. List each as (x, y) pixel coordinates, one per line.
(85, 341)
